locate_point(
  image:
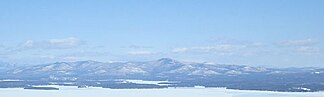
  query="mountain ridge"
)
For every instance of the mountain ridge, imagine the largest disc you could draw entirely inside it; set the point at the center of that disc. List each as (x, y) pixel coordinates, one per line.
(163, 66)
(187, 74)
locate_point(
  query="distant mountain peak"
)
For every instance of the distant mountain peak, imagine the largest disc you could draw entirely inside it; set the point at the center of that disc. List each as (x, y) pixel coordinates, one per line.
(88, 61)
(167, 61)
(60, 63)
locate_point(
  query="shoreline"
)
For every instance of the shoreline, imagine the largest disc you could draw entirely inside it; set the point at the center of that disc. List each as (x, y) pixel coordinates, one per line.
(63, 88)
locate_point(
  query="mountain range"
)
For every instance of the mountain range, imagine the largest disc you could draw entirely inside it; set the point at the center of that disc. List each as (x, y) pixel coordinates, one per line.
(187, 74)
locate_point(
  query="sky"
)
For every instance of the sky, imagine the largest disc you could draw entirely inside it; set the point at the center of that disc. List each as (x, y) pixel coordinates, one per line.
(272, 33)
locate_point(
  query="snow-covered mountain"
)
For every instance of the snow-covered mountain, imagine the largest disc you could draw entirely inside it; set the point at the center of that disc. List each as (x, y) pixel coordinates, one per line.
(187, 74)
(6, 66)
(161, 67)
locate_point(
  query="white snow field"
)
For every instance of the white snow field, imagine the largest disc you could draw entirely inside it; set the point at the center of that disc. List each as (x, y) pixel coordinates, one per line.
(170, 92)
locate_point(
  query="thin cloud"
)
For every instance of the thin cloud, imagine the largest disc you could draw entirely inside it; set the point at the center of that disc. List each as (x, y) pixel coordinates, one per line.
(2, 45)
(308, 50)
(302, 46)
(59, 58)
(138, 47)
(70, 58)
(48, 56)
(180, 50)
(64, 43)
(28, 44)
(140, 53)
(302, 42)
(222, 49)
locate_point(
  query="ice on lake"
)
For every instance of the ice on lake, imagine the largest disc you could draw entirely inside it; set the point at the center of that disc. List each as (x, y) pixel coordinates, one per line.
(70, 91)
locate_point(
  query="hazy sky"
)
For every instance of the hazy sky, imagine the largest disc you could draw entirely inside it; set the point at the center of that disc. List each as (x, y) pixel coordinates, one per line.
(274, 33)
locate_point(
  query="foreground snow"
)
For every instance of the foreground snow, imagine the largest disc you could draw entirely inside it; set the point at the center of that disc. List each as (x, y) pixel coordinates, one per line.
(171, 92)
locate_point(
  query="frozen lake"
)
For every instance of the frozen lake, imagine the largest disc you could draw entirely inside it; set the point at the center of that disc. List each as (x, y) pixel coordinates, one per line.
(171, 92)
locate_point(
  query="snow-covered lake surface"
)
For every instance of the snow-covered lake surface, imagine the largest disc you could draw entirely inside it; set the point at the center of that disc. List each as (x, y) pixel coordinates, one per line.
(70, 91)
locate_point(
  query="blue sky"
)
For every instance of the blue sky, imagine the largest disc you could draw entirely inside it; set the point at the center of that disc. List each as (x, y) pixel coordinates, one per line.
(273, 33)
